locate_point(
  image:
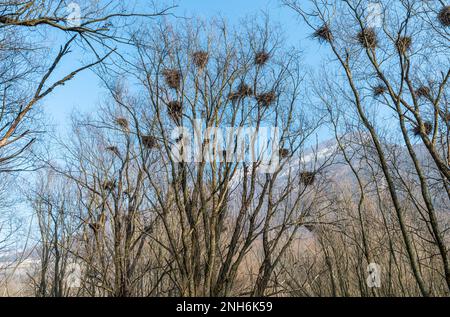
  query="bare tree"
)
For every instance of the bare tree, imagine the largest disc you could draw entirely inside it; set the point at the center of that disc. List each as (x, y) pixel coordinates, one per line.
(25, 70)
(191, 228)
(54, 205)
(393, 68)
(28, 64)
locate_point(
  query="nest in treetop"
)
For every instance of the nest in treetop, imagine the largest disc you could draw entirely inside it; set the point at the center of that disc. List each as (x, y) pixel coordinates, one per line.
(404, 44)
(368, 38)
(243, 90)
(149, 141)
(122, 122)
(423, 91)
(113, 149)
(175, 109)
(284, 153)
(200, 59)
(444, 16)
(267, 98)
(428, 129)
(307, 178)
(108, 185)
(379, 90)
(261, 58)
(172, 77)
(323, 34)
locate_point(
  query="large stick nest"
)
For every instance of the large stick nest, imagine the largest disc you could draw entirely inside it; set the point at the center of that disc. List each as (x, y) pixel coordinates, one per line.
(175, 110)
(284, 153)
(261, 58)
(149, 141)
(200, 59)
(307, 178)
(267, 98)
(404, 44)
(428, 128)
(243, 90)
(122, 123)
(323, 33)
(368, 38)
(172, 77)
(444, 16)
(379, 90)
(423, 92)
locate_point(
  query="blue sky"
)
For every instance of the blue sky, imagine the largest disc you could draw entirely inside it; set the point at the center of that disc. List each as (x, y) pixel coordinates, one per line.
(84, 93)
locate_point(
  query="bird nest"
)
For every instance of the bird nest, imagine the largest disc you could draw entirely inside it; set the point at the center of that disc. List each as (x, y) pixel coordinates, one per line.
(261, 58)
(172, 77)
(444, 16)
(243, 90)
(323, 33)
(267, 98)
(307, 178)
(175, 110)
(368, 38)
(423, 91)
(149, 141)
(403, 44)
(379, 90)
(284, 153)
(200, 59)
(122, 122)
(428, 128)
